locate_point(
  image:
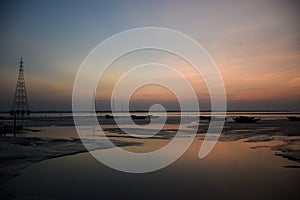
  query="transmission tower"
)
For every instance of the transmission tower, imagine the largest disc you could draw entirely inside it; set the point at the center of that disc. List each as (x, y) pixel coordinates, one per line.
(20, 103)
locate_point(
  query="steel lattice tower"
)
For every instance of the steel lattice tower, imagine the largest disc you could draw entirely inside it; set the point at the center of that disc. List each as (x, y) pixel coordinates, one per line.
(20, 103)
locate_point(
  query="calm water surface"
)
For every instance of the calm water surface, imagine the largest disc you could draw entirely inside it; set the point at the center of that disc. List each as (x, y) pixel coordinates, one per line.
(233, 170)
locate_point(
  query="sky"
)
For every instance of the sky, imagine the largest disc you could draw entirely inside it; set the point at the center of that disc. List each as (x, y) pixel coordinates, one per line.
(255, 44)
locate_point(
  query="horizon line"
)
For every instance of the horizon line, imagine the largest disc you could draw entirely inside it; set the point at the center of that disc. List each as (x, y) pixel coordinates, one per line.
(137, 111)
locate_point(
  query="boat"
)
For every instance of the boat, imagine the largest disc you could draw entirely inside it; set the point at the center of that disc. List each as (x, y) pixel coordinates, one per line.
(109, 116)
(139, 117)
(293, 118)
(208, 118)
(243, 119)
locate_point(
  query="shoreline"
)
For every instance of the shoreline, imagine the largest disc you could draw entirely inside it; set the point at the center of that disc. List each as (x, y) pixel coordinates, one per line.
(83, 177)
(17, 153)
(30, 150)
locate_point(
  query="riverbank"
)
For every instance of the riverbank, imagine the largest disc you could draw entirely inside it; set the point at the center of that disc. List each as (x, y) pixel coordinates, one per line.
(17, 153)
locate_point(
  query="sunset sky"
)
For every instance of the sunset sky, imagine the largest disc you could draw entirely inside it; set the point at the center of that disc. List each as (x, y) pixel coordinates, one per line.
(255, 44)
